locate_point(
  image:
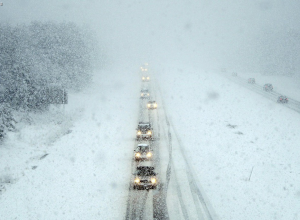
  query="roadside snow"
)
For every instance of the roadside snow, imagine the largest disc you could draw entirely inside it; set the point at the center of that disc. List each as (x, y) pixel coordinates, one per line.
(227, 131)
(85, 174)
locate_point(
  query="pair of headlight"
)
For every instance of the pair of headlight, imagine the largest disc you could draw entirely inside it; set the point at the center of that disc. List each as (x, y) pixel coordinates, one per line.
(149, 154)
(137, 180)
(154, 105)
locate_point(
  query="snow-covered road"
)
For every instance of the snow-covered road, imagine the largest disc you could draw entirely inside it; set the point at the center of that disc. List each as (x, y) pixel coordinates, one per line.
(177, 185)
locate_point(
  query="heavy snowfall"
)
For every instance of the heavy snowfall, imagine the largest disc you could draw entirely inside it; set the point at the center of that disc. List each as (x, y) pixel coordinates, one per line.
(150, 109)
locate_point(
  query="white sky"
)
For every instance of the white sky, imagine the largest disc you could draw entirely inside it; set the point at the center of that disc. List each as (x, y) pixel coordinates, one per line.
(201, 33)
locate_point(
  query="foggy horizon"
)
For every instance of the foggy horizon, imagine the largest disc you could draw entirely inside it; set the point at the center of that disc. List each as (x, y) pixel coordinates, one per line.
(204, 34)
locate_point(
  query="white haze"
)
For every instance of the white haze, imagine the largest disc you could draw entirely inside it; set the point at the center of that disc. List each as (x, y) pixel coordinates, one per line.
(204, 34)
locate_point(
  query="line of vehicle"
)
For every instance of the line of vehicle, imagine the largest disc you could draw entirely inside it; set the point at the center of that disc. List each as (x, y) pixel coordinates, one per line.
(272, 95)
(137, 200)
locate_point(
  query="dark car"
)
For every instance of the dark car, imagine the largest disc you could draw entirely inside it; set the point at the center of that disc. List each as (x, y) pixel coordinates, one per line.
(282, 99)
(143, 152)
(145, 178)
(251, 80)
(268, 87)
(144, 130)
(145, 94)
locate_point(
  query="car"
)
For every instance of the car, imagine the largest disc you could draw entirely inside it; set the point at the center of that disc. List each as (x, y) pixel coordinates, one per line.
(145, 78)
(268, 87)
(251, 80)
(143, 152)
(234, 74)
(145, 94)
(152, 105)
(144, 67)
(145, 178)
(282, 99)
(144, 130)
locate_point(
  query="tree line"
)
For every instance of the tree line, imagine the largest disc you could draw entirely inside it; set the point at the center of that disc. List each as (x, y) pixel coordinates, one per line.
(37, 57)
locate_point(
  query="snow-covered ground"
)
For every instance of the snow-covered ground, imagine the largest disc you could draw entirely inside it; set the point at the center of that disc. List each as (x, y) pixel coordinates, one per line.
(85, 174)
(227, 132)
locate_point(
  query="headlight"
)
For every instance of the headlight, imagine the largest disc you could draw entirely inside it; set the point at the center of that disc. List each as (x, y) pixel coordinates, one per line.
(137, 180)
(155, 105)
(149, 154)
(142, 94)
(153, 180)
(148, 105)
(149, 132)
(139, 132)
(137, 155)
(143, 78)
(147, 94)
(148, 78)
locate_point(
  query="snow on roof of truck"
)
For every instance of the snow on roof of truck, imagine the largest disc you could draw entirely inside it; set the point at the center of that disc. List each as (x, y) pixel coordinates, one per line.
(143, 145)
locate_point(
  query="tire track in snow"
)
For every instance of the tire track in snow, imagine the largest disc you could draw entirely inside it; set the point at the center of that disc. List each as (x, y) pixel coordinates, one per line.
(160, 208)
(170, 164)
(203, 211)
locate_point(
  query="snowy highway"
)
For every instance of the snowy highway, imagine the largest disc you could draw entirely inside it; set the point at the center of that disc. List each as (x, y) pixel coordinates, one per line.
(177, 185)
